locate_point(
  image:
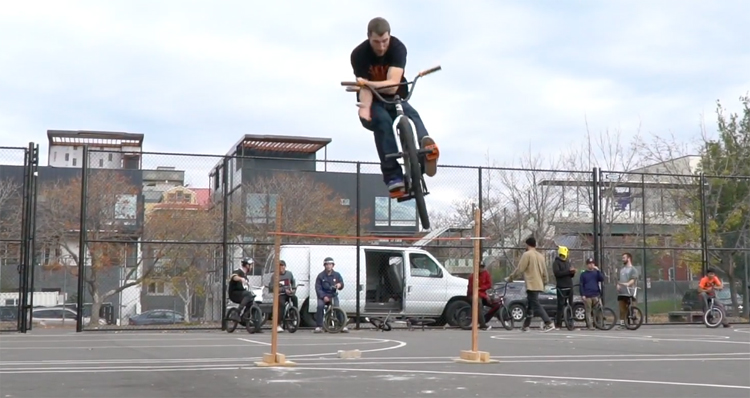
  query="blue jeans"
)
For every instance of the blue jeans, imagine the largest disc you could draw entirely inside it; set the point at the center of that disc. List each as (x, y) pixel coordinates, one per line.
(381, 124)
(319, 313)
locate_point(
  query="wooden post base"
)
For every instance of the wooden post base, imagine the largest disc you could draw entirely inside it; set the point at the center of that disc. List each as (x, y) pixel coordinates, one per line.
(352, 354)
(269, 360)
(475, 357)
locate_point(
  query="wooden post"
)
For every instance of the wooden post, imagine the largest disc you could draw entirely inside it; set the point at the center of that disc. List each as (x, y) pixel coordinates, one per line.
(274, 358)
(475, 291)
(475, 356)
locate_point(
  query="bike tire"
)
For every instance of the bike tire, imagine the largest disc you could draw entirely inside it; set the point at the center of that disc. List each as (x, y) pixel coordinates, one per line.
(568, 317)
(335, 320)
(291, 320)
(635, 319)
(464, 318)
(715, 320)
(254, 319)
(413, 170)
(229, 323)
(602, 315)
(505, 319)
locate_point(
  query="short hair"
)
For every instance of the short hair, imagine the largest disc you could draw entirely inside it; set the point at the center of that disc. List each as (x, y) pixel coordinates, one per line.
(531, 241)
(630, 256)
(379, 26)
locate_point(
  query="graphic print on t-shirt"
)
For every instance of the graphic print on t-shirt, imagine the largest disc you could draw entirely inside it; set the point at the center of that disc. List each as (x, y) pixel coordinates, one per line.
(378, 73)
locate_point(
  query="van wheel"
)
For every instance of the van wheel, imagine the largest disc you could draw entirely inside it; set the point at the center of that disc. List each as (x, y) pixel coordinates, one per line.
(452, 310)
(308, 319)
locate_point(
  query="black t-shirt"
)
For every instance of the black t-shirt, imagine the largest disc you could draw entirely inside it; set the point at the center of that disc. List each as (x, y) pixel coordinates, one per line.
(368, 65)
(235, 286)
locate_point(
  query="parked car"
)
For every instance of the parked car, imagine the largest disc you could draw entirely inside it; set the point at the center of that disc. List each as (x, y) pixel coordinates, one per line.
(58, 316)
(8, 313)
(157, 317)
(516, 301)
(691, 301)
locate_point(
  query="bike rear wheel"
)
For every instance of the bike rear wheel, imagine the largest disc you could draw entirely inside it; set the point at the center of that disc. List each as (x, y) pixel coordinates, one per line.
(635, 318)
(230, 323)
(413, 169)
(713, 317)
(335, 320)
(464, 318)
(253, 319)
(291, 320)
(604, 318)
(568, 316)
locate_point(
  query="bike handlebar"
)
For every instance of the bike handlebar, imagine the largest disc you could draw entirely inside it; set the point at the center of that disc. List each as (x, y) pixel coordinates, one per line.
(356, 86)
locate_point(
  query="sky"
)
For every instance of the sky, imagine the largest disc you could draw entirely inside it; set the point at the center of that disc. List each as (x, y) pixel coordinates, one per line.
(517, 78)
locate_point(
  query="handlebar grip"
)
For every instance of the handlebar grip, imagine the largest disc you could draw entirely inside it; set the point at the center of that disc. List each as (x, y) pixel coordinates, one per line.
(350, 84)
(352, 89)
(431, 70)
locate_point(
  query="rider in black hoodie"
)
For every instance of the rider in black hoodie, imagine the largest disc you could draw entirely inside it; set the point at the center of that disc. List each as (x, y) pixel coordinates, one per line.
(564, 273)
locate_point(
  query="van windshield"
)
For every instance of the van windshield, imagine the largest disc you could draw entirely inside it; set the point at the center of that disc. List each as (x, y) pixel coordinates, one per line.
(268, 268)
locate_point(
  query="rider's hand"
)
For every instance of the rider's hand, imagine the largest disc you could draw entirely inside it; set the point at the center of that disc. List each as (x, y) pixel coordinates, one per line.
(362, 82)
(338, 286)
(326, 299)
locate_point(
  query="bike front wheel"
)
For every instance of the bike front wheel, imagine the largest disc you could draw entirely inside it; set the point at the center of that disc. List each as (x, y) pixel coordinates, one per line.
(713, 317)
(568, 316)
(230, 322)
(413, 169)
(605, 318)
(335, 320)
(635, 318)
(291, 320)
(505, 318)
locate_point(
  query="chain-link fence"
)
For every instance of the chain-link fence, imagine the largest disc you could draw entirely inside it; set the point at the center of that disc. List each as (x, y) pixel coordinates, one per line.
(163, 233)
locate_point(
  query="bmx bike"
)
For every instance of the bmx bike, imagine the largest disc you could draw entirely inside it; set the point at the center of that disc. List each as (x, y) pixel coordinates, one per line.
(714, 315)
(252, 318)
(634, 315)
(605, 318)
(334, 318)
(290, 317)
(414, 184)
(464, 315)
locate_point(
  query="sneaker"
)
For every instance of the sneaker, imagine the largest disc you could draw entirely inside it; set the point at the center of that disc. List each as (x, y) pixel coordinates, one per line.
(548, 328)
(345, 330)
(430, 163)
(279, 329)
(396, 184)
(318, 330)
(525, 329)
(487, 328)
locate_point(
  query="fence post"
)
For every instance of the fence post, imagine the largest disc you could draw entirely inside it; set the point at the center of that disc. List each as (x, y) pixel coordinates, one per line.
(643, 231)
(225, 238)
(31, 231)
(23, 291)
(82, 238)
(704, 224)
(595, 215)
(359, 234)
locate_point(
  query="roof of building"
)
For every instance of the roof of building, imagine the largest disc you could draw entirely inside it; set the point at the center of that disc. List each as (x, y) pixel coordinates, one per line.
(202, 196)
(280, 143)
(97, 138)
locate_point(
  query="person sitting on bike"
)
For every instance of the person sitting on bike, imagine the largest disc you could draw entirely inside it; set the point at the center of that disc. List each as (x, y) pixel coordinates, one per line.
(564, 273)
(287, 288)
(590, 289)
(379, 61)
(236, 289)
(707, 287)
(485, 283)
(327, 285)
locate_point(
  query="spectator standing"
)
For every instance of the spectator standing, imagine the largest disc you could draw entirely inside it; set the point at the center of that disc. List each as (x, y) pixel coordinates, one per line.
(590, 289)
(564, 273)
(533, 267)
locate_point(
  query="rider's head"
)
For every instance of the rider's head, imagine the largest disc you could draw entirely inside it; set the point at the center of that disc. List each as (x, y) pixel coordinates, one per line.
(379, 34)
(328, 263)
(483, 264)
(710, 272)
(246, 264)
(282, 266)
(562, 251)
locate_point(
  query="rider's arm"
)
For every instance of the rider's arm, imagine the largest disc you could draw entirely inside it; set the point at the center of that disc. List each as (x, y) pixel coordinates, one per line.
(523, 263)
(341, 280)
(319, 287)
(364, 96)
(718, 285)
(395, 71)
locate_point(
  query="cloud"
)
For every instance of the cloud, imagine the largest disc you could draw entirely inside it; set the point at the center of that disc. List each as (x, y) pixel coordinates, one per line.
(195, 76)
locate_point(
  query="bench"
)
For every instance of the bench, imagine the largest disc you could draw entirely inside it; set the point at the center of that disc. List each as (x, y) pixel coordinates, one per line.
(689, 316)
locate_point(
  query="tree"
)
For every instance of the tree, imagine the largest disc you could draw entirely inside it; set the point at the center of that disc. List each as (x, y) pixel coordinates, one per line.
(184, 253)
(310, 207)
(10, 230)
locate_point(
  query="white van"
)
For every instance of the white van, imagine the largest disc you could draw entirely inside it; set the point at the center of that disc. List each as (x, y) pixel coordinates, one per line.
(401, 281)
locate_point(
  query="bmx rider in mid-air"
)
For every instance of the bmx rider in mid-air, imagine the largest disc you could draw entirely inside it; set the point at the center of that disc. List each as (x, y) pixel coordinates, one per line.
(380, 61)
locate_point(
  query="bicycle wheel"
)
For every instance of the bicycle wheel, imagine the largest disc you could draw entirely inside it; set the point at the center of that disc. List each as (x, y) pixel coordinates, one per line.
(463, 317)
(635, 318)
(568, 316)
(505, 318)
(253, 319)
(335, 320)
(229, 323)
(713, 317)
(413, 169)
(291, 320)
(605, 318)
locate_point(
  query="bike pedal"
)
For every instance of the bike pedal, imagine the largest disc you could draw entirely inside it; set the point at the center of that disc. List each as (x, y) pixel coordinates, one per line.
(394, 155)
(404, 198)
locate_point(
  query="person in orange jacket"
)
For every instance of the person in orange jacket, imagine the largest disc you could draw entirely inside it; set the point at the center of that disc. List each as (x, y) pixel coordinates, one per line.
(485, 283)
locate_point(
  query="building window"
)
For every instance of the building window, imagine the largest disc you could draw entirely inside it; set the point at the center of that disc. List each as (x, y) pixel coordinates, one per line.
(74, 161)
(67, 157)
(54, 156)
(157, 289)
(261, 208)
(101, 162)
(110, 157)
(390, 213)
(670, 273)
